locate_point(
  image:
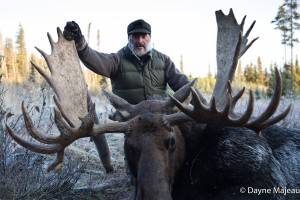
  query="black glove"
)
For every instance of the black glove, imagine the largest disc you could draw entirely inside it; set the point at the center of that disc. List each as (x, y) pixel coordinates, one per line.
(72, 32)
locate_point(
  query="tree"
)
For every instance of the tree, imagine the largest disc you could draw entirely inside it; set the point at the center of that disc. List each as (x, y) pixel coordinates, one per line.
(271, 84)
(249, 73)
(10, 60)
(281, 24)
(260, 73)
(181, 64)
(98, 39)
(287, 21)
(297, 77)
(89, 32)
(21, 57)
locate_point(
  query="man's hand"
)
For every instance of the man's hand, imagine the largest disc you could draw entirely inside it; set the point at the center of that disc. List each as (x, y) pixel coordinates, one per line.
(72, 31)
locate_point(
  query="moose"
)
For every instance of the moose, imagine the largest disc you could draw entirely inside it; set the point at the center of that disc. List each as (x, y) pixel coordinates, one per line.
(182, 147)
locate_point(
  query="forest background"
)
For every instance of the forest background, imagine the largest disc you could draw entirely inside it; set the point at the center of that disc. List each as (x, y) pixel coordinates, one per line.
(16, 67)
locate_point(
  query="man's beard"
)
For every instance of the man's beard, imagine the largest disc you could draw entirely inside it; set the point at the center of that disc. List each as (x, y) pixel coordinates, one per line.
(148, 48)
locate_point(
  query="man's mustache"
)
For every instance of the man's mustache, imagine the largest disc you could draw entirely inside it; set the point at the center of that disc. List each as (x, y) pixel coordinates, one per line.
(140, 45)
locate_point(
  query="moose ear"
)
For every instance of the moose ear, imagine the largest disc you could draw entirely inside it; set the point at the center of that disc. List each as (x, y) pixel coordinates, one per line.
(121, 105)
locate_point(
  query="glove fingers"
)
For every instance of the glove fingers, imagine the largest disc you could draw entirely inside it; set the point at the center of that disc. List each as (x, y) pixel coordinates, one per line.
(68, 35)
(72, 31)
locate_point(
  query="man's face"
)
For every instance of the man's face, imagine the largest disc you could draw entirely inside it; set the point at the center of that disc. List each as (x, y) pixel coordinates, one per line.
(140, 43)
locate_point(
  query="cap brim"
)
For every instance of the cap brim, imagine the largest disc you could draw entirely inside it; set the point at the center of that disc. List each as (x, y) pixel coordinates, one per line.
(139, 31)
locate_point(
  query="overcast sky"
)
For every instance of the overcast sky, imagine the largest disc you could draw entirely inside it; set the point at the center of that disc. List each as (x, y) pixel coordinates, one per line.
(179, 27)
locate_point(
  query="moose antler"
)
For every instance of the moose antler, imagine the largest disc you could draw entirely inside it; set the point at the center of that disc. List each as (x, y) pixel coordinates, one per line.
(231, 45)
(71, 93)
(209, 113)
(66, 74)
(67, 135)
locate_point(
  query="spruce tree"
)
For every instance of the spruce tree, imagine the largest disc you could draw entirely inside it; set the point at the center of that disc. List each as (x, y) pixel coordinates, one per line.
(21, 57)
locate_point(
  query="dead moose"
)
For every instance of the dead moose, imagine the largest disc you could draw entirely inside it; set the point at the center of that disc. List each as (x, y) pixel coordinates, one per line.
(178, 150)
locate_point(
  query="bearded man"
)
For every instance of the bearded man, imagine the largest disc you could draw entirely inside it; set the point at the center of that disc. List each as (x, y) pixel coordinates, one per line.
(137, 71)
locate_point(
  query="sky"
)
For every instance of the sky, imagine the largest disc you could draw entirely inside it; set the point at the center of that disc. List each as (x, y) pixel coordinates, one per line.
(184, 28)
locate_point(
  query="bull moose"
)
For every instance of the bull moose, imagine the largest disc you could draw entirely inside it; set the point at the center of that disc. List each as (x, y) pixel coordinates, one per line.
(177, 149)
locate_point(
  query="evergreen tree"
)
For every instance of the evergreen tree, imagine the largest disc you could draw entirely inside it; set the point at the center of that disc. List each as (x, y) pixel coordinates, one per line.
(249, 73)
(181, 64)
(260, 73)
(33, 74)
(10, 60)
(98, 39)
(286, 75)
(287, 20)
(266, 77)
(209, 74)
(297, 77)
(239, 73)
(21, 57)
(89, 32)
(282, 25)
(270, 89)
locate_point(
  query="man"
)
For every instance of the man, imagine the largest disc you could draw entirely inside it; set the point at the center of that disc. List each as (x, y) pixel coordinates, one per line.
(137, 71)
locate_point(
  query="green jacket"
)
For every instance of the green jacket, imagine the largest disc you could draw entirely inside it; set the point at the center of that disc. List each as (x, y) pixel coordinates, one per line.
(132, 78)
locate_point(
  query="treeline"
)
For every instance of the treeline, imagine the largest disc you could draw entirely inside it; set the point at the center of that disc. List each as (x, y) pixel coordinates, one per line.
(258, 78)
(16, 67)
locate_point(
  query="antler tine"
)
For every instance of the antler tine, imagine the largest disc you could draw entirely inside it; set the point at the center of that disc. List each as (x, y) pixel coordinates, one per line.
(44, 149)
(273, 120)
(34, 132)
(183, 107)
(245, 40)
(57, 162)
(250, 28)
(59, 33)
(273, 103)
(213, 105)
(243, 119)
(113, 127)
(43, 73)
(264, 120)
(230, 14)
(200, 95)
(243, 22)
(227, 108)
(183, 92)
(46, 57)
(198, 101)
(51, 41)
(116, 101)
(248, 46)
(66, 130)
(237, 97)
